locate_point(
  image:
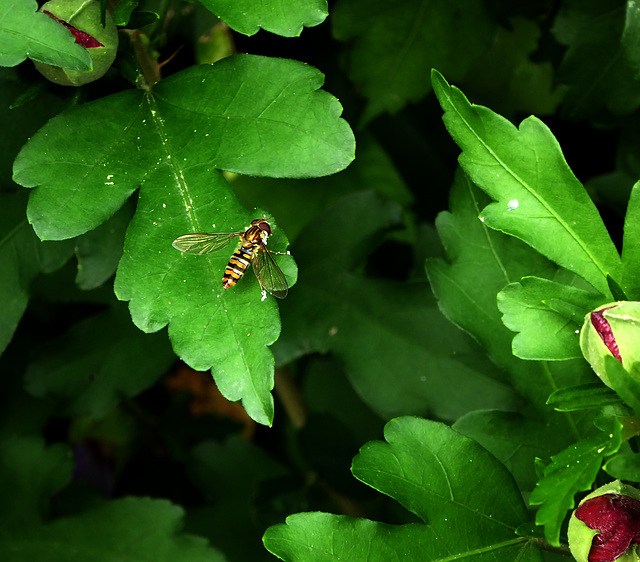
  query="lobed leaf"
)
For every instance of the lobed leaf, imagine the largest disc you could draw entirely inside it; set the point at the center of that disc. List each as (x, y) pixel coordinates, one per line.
(537, 197)
(283, 17)
(572, 470)
(245, 114)
(25, 32)
(547, 317)
(425, 466)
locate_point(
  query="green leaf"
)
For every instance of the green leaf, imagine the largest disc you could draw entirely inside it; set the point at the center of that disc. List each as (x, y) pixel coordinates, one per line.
(22, 258)
(425, 466)
(30, 473)
(631, 248)
(283, 17)
(97, 363)
(538, 199)
(624, 466)
(25, 32)
(516, 439)
(572, 471)
(601, 64)
(625, 381)
(398, 351)
(479, 263)
(232, 477)
(589, 396)
(99, 251)
(131, 528)
(395, 43)
(245, 114)
(547, 316)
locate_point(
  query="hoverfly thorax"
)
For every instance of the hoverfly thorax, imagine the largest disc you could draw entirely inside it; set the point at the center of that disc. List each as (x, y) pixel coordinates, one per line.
(252, 248)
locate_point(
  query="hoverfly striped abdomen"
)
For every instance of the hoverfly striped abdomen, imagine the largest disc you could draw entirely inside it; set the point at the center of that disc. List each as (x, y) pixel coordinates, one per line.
(237, 265)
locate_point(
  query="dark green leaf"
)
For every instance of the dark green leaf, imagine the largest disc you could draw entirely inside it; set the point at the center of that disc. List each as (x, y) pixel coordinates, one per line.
(283, 17)
(426, 467)
(572, 471)
(547, 316)
(30, 473)
(624, 466)
(515, 439)
(590, 396)
(24, 32)
(389, 335)
(538, 199)
(97, 363)
(601, 65)
(396, 43)
(22, 258)
(131, 528)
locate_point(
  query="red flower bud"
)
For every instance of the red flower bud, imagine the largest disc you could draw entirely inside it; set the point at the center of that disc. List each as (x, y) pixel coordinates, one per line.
(617, 518)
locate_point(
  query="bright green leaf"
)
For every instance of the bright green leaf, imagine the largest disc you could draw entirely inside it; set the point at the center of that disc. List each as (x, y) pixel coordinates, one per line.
(396, 43)
(246, 114)
(589, 396)
(631, 246)
(434, 472)
(396, 347)
(97, 363)
(547, 317)
(538, 199)
(25, 32)
(283, 17)
(572, 470)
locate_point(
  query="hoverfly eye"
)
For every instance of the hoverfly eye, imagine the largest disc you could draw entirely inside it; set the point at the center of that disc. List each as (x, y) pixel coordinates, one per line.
(263, 225)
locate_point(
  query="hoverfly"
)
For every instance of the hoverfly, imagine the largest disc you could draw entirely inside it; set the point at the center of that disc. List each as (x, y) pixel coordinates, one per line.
(252, 246)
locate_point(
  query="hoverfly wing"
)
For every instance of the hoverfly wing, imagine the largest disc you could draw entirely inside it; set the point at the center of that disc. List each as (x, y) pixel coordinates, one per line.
(203, 242)
(269, 274)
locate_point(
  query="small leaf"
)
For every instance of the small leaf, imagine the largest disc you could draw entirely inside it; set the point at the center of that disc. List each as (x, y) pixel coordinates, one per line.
(572, 471)
(538, 199)
(283, 17)
(24, 32)
(547, 316)
(590, 396)
(426, 467)
(625, 381)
